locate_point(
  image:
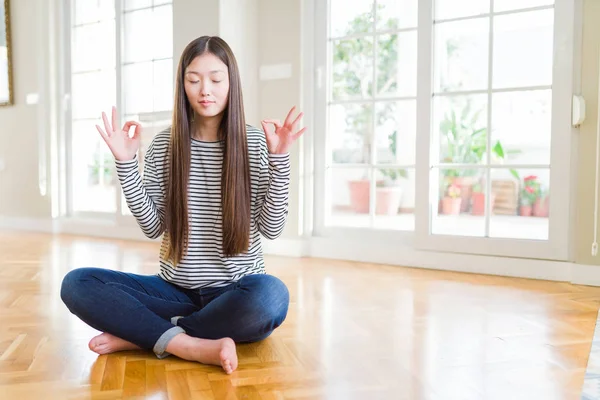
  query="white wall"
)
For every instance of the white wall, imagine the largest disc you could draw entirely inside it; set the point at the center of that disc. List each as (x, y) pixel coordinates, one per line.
(22, 125)
(192, 19)
(279, 42)
(238, 26)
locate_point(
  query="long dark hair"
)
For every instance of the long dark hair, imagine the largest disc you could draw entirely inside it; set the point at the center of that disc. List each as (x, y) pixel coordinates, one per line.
(235, 179)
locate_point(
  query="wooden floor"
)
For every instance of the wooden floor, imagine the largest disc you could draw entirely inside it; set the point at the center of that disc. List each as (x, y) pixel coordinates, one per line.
(354, 331)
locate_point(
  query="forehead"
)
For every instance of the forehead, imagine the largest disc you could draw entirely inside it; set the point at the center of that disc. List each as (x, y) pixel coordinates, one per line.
(206, 63)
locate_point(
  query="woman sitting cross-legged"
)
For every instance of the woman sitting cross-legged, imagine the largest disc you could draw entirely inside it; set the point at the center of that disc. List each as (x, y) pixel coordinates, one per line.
(212, 185)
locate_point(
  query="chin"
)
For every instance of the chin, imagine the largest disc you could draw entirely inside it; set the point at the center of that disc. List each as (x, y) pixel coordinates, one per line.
(209, 113)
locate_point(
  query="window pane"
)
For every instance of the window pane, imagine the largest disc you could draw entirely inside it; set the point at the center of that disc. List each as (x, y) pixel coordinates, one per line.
(135, 4)
(138, 93)
(159, 2)
(87, 11)
(445, 9)
(163, 32)
(397, 64)
(523, 49)
(506, 5)
(94, 46)
(348, 17)
(163, 85)
(92, 170)
(396, 132)
(139, 25)
(350, 197)
(352, 68)
(92, 93)
(395, 199)
(521, 127)
(521, 204)
(461, 123)
(461, 55)
(397, 14)
(350, 127)
(454, 214)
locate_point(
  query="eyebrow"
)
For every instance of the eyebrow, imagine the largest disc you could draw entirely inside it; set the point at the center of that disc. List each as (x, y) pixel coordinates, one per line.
(211, 72)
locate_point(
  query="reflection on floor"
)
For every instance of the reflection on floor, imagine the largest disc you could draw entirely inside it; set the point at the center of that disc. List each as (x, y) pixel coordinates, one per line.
(591, 384)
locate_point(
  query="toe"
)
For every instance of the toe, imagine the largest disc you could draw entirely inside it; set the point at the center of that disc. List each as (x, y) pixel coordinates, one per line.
(226, 366)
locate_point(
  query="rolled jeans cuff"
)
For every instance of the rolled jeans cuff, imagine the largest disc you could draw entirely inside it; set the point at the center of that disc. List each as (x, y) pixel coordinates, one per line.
(164, 339)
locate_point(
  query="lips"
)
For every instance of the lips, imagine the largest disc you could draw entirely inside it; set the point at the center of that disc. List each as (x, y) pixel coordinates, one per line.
(206, 102)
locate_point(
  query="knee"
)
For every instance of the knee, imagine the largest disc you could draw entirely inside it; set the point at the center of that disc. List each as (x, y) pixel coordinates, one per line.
(270, 299)
(73, 283)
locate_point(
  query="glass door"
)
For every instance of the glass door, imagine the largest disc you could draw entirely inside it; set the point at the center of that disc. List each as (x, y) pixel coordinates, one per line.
(495, 84)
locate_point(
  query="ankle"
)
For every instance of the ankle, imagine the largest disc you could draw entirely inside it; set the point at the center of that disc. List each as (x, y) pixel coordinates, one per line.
(182, 345)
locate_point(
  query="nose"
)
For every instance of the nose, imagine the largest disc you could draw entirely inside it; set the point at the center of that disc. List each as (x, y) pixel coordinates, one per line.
(204, 89)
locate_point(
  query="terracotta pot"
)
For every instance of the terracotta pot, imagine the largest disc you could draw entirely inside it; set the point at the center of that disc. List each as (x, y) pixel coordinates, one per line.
(451, 205)
(541, 207)
(478, 203)
(388, 200)
(525, 211)
(359, 196)
(465, 183)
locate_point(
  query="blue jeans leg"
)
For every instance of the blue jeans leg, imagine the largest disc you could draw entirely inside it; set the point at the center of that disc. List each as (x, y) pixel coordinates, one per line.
(136, 308)
(247, 311)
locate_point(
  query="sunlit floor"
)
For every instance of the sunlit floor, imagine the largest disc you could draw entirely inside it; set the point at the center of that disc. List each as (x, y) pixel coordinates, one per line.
(501, 226)
(354, 331)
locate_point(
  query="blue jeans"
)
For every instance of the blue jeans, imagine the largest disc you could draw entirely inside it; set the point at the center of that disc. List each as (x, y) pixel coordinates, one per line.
(148, 311)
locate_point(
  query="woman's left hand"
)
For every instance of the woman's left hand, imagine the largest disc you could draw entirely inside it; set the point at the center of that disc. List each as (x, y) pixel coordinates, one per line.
(280, 141)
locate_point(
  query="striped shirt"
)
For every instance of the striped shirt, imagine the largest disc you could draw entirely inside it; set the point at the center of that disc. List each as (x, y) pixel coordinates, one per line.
(203, 265)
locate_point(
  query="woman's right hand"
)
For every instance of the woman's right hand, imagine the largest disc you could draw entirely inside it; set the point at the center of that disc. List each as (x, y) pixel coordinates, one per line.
(121, 145)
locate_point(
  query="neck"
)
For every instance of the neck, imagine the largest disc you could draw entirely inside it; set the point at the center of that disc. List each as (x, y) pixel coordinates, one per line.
(206, 129)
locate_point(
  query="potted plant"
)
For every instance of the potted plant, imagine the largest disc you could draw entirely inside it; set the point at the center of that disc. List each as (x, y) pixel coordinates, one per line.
(529, 194)
(452, 200)
(478, 200)
(389, 191)
(464, 141)
(541, 205)
(351, 63)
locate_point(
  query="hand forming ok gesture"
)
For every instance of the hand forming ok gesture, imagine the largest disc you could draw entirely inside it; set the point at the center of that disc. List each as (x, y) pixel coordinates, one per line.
(285, 135)
(121, 145)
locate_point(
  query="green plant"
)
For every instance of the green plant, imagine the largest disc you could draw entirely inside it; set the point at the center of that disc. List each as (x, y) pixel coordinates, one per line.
(101, 166)
(351, 68)
(453, 191)
(393, 174)
(464, 140)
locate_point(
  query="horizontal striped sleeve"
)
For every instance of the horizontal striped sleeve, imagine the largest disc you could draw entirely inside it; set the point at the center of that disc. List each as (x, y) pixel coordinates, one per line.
(275, 193)
(144, 196)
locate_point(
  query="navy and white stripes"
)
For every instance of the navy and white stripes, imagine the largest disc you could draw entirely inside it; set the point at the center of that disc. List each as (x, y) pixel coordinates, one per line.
(204, 264)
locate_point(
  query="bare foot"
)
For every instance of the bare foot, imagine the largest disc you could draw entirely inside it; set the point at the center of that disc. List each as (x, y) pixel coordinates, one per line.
(216, 352)
(107, 343)
(228, 355)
